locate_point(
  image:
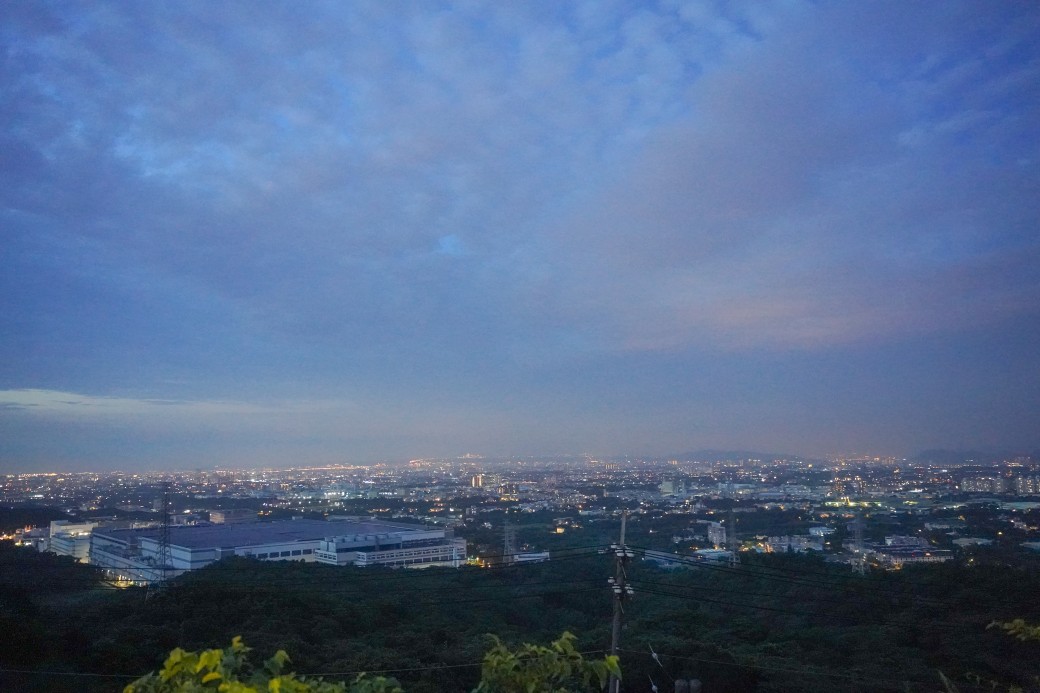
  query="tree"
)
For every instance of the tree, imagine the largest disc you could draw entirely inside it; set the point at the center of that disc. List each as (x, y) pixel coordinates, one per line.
(229, 671)
(559, 668)
(1018, 628)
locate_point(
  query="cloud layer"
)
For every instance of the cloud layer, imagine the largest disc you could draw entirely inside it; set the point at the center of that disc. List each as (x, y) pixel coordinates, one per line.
(486, 209)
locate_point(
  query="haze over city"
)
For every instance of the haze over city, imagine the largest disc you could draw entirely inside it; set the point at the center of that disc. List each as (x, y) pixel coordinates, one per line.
(271, 233)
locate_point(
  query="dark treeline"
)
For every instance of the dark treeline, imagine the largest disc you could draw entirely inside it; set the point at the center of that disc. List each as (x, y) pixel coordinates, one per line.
(776, 623)
(29, 516)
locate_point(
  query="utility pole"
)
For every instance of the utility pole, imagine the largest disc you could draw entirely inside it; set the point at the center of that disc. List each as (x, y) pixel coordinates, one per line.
(621, 592)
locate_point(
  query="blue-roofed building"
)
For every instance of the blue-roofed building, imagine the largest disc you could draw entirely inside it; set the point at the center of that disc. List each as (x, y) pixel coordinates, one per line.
(134, 555)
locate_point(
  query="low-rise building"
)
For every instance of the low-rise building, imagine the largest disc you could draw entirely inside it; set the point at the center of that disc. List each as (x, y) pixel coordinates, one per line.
(232, 516)
(68, 538)
(398, 546)
(137, 555)
(796, 543)
(896, 557)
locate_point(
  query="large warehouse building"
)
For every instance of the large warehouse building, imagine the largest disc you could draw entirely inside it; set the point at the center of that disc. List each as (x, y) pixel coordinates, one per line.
(134, 555)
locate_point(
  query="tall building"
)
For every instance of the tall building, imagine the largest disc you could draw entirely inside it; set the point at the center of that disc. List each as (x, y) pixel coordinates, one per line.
(1027, 485)
(984, 484)
(717, 535)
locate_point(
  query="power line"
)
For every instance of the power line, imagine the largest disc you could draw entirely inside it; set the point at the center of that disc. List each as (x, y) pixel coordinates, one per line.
(749, 571)
(806, 672)
(863, 595)
(435, 666)
(716, 590)
(195, 578)
(40, 672)
(430, 667)
(855, 575)
(822, 614)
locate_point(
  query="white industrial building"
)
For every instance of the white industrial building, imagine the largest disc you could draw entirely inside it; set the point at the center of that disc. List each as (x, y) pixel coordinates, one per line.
(134, 555)
(70, 539)
(400, 546)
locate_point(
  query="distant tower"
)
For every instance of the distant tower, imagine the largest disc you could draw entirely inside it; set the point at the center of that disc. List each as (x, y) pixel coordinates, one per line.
(857, 544)
(717, 535)
(509, 544)
(159, 575)
(164, 535)
(731, 536)
(857, 533)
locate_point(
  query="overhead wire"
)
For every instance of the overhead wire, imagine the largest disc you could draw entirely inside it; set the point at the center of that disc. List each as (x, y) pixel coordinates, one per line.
(856, 619)
(345, 584)
(898, 683)
(435, 666)
(196, 578)
(841, 582)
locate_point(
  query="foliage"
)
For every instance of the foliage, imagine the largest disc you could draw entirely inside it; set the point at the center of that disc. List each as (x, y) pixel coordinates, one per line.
(559, 668)
(22, 567)
(1018, 628)
(228, 671)
(779, 622)
(29, 516)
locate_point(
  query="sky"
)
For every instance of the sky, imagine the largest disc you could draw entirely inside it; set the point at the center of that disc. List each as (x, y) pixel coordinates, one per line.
(290, 233)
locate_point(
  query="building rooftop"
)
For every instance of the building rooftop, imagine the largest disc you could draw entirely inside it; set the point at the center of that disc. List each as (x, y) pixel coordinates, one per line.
(257, 533)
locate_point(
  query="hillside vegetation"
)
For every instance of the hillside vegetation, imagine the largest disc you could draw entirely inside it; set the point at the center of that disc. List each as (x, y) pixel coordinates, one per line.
(775, 623)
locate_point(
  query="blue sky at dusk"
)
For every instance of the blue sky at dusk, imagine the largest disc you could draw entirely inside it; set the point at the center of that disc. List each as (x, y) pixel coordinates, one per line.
(280, 233)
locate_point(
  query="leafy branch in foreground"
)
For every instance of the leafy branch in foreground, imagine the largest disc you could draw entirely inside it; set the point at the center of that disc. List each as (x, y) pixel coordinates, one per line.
(229, 671)
(559, 668)
(1018, 628)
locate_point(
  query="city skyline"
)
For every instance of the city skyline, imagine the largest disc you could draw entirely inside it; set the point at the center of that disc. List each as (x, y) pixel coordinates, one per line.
(249, 235)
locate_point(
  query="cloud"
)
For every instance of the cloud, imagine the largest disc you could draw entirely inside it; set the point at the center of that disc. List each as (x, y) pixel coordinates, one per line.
(438, 222)
(299, 165)
(793, 210)
(53, 403)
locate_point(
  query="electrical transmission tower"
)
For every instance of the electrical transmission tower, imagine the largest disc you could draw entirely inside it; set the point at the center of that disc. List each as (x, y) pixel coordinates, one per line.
(161, 563)
(509, 543)
(857, 543)
(731, 539)
(164, 535)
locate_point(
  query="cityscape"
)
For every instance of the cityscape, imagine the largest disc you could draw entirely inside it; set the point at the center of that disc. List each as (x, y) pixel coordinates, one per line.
(881, 512)
(468, 346)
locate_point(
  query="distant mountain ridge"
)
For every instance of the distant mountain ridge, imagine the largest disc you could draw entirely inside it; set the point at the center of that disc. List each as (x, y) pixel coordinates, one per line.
(962, 457)
(710, 454)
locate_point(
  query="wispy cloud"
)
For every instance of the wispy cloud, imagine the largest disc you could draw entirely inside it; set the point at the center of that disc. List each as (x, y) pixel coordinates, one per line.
(55, 403)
